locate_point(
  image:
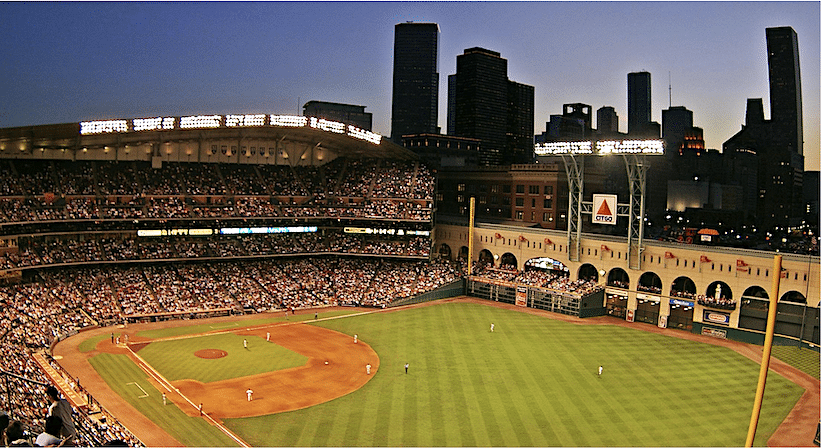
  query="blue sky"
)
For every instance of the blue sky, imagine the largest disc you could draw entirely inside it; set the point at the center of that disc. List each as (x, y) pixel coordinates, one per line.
(68, 62)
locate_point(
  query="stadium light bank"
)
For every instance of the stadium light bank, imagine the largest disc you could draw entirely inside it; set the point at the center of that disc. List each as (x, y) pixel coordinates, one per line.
(601, 148)
(225, 121)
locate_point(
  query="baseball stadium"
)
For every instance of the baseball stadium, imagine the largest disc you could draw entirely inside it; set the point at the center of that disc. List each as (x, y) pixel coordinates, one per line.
(277, 280)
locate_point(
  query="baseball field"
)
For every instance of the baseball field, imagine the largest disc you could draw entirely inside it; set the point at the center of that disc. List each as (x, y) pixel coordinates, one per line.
(532, 381)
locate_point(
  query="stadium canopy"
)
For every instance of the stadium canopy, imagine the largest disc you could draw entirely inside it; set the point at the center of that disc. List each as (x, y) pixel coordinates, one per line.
(340, 138)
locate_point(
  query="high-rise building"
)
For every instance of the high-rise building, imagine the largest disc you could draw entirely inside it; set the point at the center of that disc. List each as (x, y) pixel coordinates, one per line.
(484, 104)
(607, 121)
(777, 143)
(639, 112)
(785, 87)
(415, 106)
(675, 122)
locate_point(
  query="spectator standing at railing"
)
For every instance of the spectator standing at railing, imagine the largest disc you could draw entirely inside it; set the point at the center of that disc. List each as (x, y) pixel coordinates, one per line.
(61, 408)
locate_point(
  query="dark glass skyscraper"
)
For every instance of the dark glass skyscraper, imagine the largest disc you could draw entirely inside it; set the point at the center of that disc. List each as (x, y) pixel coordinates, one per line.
(484, 104)
(415, 106)
(785, 87)
(775, 144)
(639, 112)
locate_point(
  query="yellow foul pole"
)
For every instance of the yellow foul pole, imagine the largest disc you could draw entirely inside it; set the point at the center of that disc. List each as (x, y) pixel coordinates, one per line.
(470, 234)
(768, 348)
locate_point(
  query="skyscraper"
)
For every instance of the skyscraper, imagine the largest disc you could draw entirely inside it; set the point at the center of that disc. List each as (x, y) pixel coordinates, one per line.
(638, 102)
(415, 106)
(785, 87)
(607, 121)
(776, 144)
(484, 104)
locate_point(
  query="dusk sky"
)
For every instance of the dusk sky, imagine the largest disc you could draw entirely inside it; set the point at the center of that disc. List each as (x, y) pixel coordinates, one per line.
(69, 62)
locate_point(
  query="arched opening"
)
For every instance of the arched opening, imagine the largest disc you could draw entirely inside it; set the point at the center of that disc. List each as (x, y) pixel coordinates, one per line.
(683, 287)
(508, 262)
(755, 303)
(486, 258)
(542, 271)
(755, 292)
(618, 278)
(648, 300)
(588, 273)
(463, 253)
(444, 251)
(718, 296)
(682, 307)
(794, 297)
(649, 282)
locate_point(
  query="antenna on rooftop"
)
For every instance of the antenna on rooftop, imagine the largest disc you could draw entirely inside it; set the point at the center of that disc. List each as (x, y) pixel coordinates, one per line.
(670, 88)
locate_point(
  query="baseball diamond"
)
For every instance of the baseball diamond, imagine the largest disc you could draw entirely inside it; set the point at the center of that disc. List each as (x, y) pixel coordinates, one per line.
(512, 387)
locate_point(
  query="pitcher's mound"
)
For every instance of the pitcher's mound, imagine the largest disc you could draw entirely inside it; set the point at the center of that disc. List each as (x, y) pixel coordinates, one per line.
(210, 353)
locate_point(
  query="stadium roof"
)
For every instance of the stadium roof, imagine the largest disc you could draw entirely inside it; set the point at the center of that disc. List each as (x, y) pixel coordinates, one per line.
(342, 139)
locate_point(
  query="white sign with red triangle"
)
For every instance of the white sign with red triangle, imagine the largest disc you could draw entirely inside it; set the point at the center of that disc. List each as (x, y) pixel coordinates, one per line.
(604, 209)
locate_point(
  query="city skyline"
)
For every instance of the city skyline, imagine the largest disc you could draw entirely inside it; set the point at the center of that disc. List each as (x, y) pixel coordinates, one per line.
(69, 62)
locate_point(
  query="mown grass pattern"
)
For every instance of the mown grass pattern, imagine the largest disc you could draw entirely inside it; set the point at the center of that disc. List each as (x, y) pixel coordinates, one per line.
(804, 359)
(532, 382)
(118, 371)
(175, 359)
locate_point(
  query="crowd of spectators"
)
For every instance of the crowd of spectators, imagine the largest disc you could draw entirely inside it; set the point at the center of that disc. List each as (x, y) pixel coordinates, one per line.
(33, 191)
(540, 278)
(721, 303)
(84, 249)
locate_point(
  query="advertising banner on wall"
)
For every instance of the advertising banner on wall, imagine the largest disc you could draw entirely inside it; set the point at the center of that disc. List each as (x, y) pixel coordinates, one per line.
(604, 209)
(521, 296)
(631, 315)
(714, 317)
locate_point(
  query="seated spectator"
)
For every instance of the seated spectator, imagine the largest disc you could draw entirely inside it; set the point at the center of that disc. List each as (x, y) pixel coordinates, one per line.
(51, 433)
(16, 435)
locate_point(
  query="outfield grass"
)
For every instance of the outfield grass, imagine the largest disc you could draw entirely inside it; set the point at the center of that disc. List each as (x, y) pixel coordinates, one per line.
(175, 359)
(804, 359)
(532, 382)
(123, 377)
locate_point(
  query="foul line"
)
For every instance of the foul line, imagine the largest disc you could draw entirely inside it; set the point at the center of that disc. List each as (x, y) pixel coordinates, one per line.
(145, 394)
(163, 382)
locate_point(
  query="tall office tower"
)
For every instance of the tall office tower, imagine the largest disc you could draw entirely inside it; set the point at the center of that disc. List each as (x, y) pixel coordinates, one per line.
(777, 143)
(484, 104)
(638, 102)
(784, 160)
(675, 121)
(785, 87)
(607, 121)
(415, 107)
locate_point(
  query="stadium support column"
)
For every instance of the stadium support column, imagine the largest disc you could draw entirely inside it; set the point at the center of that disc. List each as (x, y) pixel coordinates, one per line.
(575, 182)
(768, 348)
(637, 178)
(470, 234)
